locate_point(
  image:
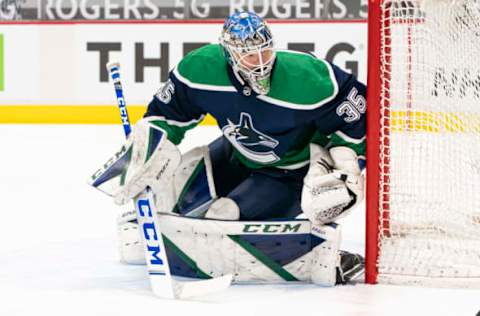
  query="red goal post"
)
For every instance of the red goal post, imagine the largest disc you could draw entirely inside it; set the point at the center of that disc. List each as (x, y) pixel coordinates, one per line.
(373, 147)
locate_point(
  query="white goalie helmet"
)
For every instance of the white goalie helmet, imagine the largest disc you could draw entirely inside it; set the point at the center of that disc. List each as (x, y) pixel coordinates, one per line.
(248, 47)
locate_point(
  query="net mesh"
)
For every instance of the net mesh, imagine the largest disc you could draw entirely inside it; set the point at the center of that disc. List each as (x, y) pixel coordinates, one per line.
(430, 141)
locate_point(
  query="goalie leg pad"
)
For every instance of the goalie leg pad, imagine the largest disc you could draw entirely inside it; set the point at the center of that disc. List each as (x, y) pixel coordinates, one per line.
(254, 252)
(193, 183)
(130, 244)
(326, 258)
(244, 249)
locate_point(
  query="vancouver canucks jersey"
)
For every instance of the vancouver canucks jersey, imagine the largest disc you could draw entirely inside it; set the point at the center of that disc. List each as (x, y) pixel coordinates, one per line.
(310, 100)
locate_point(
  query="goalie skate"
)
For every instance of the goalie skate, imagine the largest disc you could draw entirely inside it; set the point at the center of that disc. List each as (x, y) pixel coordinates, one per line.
(351, 269)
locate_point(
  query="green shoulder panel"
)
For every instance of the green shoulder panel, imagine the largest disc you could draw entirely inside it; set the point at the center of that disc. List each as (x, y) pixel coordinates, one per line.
(175, 133)
(301, 80)
(205, 66)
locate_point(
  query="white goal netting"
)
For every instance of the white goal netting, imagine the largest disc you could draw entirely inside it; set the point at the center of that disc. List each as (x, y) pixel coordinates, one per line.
(430, 142)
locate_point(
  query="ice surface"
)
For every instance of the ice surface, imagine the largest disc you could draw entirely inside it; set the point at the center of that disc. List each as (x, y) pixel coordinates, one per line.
(58, 244)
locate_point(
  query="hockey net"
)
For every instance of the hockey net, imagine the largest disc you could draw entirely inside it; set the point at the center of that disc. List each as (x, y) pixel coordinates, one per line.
(423, 187)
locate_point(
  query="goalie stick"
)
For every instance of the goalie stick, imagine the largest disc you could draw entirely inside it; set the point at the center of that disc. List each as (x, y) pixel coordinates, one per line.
(161, 281)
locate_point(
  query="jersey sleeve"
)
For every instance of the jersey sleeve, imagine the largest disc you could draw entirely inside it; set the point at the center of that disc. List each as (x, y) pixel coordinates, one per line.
(176, 109)
(343, 119)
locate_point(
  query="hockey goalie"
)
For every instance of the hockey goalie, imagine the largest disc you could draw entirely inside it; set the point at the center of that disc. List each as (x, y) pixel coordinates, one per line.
(293, 141)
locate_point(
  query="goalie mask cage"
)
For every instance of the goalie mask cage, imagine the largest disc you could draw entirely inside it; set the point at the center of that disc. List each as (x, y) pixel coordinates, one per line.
(423, 151)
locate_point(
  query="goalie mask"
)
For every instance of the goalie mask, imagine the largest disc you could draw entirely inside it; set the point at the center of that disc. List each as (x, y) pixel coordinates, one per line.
(248, 47)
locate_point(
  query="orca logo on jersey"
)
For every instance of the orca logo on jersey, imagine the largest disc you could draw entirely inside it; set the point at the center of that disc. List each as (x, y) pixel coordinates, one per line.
(244, 137)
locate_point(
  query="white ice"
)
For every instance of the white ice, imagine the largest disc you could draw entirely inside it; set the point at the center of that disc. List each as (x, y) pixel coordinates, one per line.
(58, 244)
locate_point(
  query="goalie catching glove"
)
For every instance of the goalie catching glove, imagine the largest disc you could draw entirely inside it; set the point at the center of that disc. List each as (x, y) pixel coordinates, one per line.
(333, 184)
(148, 159)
